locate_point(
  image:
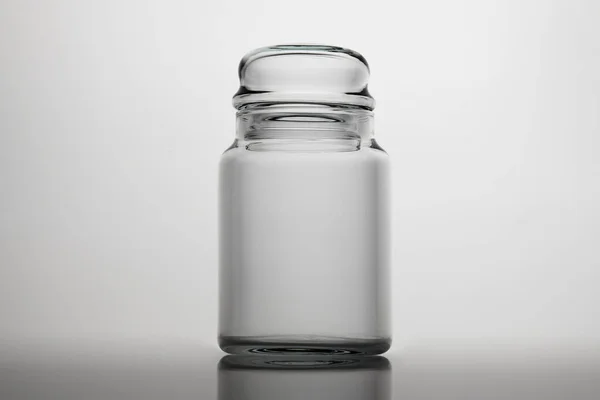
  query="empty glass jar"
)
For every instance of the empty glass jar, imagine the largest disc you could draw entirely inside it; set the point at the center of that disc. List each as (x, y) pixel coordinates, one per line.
(304, 209)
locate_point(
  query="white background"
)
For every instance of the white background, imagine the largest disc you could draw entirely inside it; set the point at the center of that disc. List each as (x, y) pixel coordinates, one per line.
(113, 115)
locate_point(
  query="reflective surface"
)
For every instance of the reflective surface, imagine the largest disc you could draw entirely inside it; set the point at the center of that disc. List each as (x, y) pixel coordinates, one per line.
(189, 372)
(271, 378)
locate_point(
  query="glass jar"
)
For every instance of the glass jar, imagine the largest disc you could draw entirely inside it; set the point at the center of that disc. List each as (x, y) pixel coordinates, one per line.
(304, 209)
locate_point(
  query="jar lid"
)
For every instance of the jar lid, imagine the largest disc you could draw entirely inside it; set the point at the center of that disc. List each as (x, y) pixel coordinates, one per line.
(302, 73)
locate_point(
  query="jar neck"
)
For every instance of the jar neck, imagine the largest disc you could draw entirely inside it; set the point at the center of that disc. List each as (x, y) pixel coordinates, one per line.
(303, 121)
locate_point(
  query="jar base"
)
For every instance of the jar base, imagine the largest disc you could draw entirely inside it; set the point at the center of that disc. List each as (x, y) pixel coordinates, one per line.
(301, 345)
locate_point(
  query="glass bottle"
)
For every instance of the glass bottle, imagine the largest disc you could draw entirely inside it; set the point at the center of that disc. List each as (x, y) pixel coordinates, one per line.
(304, 209)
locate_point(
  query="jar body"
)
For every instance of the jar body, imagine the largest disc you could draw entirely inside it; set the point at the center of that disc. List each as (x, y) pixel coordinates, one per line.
(304, 236)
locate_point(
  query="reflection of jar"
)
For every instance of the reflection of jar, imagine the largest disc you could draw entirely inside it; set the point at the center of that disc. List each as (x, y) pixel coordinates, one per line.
(267, 378)
(304, 198)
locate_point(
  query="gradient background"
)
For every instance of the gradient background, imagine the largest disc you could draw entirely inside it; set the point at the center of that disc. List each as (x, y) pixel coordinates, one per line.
(113, 116)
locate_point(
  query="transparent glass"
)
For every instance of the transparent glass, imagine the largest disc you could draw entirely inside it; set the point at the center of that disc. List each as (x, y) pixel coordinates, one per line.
(304, 210)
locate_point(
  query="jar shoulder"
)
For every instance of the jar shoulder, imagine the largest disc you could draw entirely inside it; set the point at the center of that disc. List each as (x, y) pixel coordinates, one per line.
(242, 151)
